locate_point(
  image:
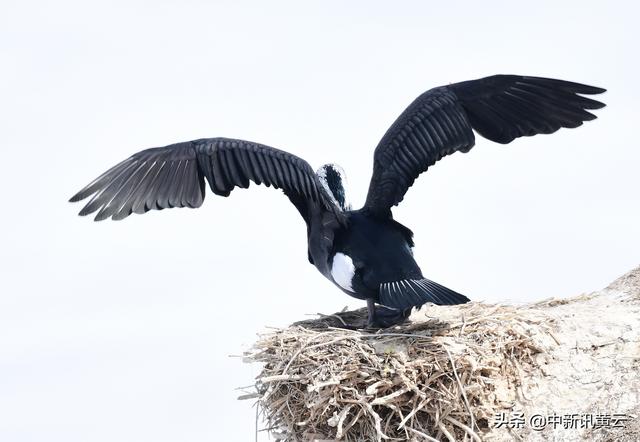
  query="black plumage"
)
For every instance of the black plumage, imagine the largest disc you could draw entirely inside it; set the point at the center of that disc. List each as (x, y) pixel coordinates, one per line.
(364, 252)
(174, 176)
(440, 122)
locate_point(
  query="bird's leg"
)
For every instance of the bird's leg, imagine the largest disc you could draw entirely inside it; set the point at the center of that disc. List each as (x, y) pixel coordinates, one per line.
(383, 317)
(371, 310)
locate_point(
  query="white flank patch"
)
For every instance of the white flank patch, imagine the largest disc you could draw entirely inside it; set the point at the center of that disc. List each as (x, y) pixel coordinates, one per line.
(342, 271)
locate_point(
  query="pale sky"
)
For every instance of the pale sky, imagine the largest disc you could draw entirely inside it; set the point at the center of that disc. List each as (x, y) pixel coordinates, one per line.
(122, 331)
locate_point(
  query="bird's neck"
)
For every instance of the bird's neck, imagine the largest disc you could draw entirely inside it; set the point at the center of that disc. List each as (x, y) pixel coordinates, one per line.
(333, 180)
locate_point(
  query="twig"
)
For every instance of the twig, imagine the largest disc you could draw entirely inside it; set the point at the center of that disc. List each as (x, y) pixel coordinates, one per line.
(464, 395)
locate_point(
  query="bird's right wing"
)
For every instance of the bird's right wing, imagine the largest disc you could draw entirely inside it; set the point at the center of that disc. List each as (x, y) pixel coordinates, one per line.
(174, 176)
(440, 122)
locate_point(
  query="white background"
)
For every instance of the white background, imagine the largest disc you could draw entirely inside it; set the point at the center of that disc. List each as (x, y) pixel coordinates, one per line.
(123, 331)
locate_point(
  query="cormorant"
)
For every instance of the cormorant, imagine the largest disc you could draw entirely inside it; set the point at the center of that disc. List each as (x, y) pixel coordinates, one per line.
(365, 252)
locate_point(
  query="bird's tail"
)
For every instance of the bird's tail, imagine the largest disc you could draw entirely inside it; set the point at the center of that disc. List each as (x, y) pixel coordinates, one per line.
(409, 293)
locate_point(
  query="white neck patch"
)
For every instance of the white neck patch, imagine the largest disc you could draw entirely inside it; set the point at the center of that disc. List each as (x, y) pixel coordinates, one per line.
(322, 175)
(342, 271)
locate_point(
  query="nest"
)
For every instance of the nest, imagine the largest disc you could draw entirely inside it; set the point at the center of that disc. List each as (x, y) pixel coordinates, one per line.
(430, 379)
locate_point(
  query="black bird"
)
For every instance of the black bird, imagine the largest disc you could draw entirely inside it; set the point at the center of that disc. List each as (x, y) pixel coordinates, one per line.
(364, 252)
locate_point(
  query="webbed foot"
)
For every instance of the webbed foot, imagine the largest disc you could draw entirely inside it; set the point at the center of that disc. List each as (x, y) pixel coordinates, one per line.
(384, 317)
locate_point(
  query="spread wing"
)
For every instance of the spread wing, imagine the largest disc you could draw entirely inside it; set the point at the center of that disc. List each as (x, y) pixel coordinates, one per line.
(441, 121)
(174, 176)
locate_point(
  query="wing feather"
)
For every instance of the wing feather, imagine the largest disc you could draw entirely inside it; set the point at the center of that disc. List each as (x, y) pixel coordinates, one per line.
(175, 176)
(442, 120)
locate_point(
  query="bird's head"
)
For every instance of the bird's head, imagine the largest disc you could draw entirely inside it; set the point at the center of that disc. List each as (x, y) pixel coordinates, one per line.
(334, 180)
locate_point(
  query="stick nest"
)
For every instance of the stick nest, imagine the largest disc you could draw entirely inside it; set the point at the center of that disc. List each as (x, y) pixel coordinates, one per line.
(428, 379)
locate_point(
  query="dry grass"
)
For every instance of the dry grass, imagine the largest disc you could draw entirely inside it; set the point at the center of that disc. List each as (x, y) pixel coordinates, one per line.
(430, 379)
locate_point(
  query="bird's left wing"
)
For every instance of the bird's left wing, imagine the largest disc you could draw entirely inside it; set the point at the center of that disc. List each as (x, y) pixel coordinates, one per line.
(174, 176)
(440, 122)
